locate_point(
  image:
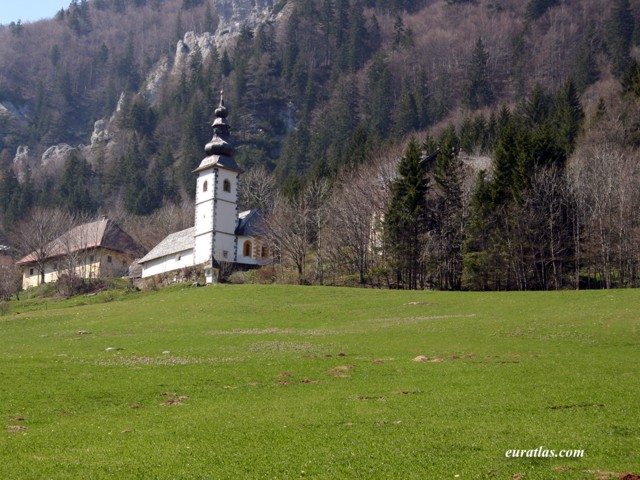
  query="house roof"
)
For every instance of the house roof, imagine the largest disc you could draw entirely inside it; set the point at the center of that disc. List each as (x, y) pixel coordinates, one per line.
(250, 223)
(172, 244)
(104, 233)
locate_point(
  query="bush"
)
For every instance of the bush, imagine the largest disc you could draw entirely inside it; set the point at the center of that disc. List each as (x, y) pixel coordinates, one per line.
(266, 275)
(236, 278)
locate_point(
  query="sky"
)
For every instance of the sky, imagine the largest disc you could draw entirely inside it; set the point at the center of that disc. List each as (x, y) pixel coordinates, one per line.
(29, 10)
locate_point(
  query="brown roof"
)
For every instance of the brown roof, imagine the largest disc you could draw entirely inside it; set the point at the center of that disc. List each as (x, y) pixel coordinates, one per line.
(103, 233)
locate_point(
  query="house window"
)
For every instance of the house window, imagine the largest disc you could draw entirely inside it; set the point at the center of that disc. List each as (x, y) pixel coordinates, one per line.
(226, 185)
(109, 259)
(246, 248)
(205, 186)
(225, 254)
(264, 252)
(31, 271)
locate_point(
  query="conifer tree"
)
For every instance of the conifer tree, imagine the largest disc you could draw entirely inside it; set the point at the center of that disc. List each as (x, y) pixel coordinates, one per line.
(406, 220)
(477, 89)
(74, 192)
(568, 117)
(407, 117)
(620, 26)
(446, 213)
(479, 258)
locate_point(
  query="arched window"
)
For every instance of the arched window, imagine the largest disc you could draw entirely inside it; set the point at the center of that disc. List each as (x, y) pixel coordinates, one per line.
(205, 186)
(246, 248)
(226, 185)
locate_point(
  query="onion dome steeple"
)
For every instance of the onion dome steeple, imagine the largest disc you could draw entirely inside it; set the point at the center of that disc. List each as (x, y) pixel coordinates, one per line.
(219, 144)
(219, 151)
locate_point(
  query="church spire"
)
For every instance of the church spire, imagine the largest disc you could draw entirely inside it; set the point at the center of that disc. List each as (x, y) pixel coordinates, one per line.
(219, 144)
(219, 150)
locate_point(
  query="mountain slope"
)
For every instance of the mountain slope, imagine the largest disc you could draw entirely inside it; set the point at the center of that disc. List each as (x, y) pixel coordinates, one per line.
(312, 84)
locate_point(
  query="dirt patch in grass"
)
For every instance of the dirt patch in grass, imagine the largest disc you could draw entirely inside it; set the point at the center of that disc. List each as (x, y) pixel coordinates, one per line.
(164, 360)
(273, 331)
(278, 346)
(173, 400)
(438, 359)
(342, 368)
(17, 419)
(606, 475)
(576, 405)
(339, 371)
(505, 362)
(419, 303)
(394, 322)
(16, 428)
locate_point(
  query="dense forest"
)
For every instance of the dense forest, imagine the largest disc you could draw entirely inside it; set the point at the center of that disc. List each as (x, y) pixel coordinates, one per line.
(408, 144)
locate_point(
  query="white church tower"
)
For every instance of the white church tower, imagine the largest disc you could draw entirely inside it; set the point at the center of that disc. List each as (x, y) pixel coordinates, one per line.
(217, 188)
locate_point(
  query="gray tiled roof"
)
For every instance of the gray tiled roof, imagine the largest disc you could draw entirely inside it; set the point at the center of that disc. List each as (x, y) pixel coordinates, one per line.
(174, 243)
(250, 224)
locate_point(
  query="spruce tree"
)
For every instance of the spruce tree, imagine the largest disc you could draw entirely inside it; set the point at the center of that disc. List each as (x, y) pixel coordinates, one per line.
(568, 117)
(446, 213)
(477, 89)
(406, 220)
(479, 249)
(620, 25)
(74, 192)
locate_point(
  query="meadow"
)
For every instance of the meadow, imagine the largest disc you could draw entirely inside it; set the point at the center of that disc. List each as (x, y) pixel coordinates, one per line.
(247, 381)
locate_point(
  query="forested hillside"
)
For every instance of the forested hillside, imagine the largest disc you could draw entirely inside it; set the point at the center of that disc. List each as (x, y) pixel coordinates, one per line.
(509, 93)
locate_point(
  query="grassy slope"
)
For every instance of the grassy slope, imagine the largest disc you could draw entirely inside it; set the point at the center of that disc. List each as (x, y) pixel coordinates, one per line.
(93, 413)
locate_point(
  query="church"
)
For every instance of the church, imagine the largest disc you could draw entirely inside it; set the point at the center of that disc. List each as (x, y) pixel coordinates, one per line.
(221, 234)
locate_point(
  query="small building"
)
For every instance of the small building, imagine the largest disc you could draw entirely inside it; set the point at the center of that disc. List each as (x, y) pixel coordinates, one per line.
(220, 234)
(93, 250)
(5, 257)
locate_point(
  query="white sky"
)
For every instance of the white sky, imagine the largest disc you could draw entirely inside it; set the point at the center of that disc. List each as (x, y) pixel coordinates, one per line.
(29, 10)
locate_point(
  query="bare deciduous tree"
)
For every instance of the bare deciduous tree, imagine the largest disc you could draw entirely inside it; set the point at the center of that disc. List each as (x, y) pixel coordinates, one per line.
(10, 281)
(35, 235)
(257, 189)
(293, 225)
(148, 231)
(605, 180)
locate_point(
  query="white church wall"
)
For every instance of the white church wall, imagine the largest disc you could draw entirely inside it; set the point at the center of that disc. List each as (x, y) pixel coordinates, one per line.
(168, 263)
(225, 216)
(204, 216)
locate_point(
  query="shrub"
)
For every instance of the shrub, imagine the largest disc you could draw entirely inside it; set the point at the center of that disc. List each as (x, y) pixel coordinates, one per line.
(236, 278)
(266, 275)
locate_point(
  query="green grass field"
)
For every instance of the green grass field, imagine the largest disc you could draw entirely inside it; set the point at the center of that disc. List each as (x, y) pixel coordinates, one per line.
(305, 382)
